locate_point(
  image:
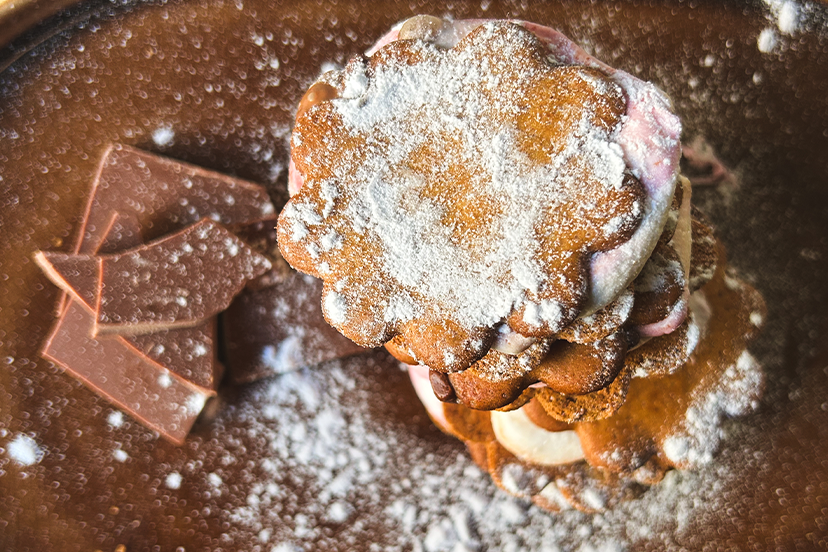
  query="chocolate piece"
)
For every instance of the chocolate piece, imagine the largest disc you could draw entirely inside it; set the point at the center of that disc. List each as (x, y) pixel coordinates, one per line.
(158, 195)
(177, 281)
(279, 329)
(79, 277)
(139, 195)
(159, 398)
(441, 385)
(164, 196)
(189, 352)
(123, 232)
(171, 283)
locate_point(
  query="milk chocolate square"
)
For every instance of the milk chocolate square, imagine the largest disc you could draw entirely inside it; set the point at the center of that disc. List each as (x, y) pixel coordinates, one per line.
(165, 195)
(160, 398)
(177, 281)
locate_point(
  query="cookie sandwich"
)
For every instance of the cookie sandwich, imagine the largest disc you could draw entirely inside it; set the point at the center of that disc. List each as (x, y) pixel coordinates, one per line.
(506, 215)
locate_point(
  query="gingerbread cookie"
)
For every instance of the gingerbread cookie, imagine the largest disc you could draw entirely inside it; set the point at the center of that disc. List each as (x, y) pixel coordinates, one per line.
(448, 190)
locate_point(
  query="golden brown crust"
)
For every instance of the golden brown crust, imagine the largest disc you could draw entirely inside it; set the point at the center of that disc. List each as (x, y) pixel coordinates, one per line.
(589, 407)
(663, 355)
(316, 94)
(498, 380)
(548, 106)
(399, 350)
(601, 323)
(632, 446)
(582, 367)
(574, 369)
(536, 413)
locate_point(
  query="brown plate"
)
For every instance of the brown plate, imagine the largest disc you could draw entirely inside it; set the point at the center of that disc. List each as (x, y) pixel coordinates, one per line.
(345, 456)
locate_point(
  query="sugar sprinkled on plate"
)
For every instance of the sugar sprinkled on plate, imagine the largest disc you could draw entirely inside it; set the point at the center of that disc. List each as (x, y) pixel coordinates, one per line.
(24, 450)
(173, 480)
(326, 439)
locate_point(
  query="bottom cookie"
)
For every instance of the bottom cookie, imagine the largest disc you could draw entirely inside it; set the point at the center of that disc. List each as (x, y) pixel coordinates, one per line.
(669, 420)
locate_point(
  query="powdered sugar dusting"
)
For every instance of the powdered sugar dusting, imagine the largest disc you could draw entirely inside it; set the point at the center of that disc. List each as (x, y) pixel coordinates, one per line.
(699, 436)
(321, 435)
(24, 450)
(335, 307)
(115, 418)
(173, 480)
(458, 101)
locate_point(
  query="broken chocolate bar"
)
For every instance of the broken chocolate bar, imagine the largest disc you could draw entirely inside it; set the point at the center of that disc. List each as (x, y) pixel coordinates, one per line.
(163, 378)
(78, 276)
(165, 195)
(117, 282)
(105, 363)
(122, 232)
(177, 281)
(160, 398)
(174, 282)
(189, 352)
(161, 195)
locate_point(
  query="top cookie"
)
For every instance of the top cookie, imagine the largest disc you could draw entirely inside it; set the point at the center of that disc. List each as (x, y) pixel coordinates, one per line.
(450, 191)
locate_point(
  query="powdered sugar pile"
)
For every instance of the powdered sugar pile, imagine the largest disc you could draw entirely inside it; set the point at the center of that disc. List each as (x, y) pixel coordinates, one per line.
(24, 450)
(700, 435)
(329, 457)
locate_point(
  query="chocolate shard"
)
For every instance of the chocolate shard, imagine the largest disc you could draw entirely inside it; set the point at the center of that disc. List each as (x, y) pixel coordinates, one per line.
(79, 276)
(261, 236)
(158, 397)
(280, 328)
(73, 275)
(164, 196)
(123, 232)
(175, 282)
(139, 195)
(189, 352)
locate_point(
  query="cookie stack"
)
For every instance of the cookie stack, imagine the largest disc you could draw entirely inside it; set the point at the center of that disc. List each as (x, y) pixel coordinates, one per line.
(505, 214)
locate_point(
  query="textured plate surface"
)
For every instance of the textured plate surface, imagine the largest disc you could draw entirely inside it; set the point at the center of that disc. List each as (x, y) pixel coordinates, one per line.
(345, 456)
